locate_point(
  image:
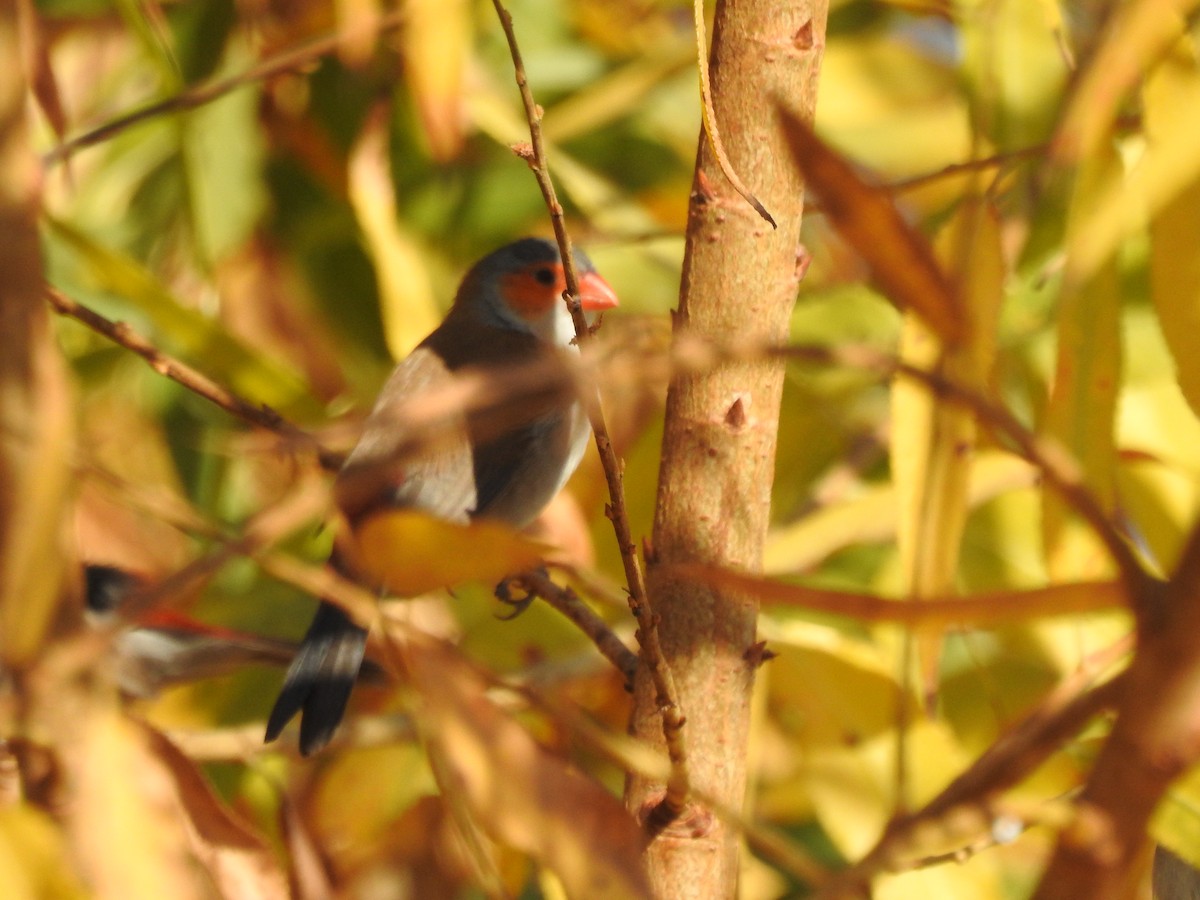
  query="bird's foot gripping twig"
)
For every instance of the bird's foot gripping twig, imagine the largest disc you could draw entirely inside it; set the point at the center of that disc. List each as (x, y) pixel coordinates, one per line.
(517, 593)
(537, 583)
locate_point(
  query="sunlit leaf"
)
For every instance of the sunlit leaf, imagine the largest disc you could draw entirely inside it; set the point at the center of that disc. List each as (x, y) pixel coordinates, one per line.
(871, 515)
(353, 810)
(34, 863)
(910, 124)
(1176, 823)
(125, 825)
(1159, 500)
(436, 37)
(1015, 61)
(981, 877)
(1083, 400)
(412, 553)
(933, 442)
(1174, 263)
(1133, 41)
(36, 415)
(238, 860)
(932, 612)
(519, 793)
(406, 296)
(853, 785)
(866, 217)
(1168, 165)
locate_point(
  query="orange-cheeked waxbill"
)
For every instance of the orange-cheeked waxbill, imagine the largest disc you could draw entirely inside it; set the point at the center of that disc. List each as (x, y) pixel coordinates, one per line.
(508, 311)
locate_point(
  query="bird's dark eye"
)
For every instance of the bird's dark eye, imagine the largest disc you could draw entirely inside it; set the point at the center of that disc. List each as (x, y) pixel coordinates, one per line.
(544, 275)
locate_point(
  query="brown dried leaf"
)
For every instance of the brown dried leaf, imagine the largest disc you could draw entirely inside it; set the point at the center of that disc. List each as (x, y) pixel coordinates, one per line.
(34, 404)
(979, 610)
(237, 858)
(900, 259)
(308, 876)
(124, 818)
(520, 794)
(38, 72)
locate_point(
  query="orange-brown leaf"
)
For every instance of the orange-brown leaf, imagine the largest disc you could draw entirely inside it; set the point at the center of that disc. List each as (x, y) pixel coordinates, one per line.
(519, 793)
(900, 258)
(980, 610)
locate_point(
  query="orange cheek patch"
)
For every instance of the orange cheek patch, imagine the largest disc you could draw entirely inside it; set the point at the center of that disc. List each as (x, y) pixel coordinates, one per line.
(528, 297)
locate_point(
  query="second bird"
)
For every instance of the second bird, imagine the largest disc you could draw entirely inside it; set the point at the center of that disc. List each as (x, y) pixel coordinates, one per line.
(508, 311)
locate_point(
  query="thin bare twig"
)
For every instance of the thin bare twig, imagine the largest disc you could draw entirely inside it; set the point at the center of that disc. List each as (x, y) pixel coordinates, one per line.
(428, 413)
(196, 382)
(287, 61)
(678, 786)
(567, 602)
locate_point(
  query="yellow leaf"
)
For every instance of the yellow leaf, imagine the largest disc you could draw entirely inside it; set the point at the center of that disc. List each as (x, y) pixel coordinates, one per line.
(406, 297)
(933, 442)
(436, 38)
(1162, 501)
(411, 553)
(33, 859)
(1176, 822)
(354, 811)
(236, 858)
(1083, 400)
(853, 785)
(125, 821)
(35, 407)
(982, 610)
(1174, 262)
(980, 877)
(1135, 38)
(1168, 165)
(871, 516)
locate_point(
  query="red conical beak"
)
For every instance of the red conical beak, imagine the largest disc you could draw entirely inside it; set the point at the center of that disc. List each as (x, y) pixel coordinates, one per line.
(595, 293)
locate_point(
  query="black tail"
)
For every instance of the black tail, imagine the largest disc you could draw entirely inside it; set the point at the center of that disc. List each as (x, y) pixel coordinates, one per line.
(320, 678)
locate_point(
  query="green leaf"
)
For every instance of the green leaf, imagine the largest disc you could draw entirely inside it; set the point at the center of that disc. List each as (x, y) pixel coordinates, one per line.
(201, 340)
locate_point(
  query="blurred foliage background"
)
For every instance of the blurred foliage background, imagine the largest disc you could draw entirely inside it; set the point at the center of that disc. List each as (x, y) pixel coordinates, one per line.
(296, 234)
